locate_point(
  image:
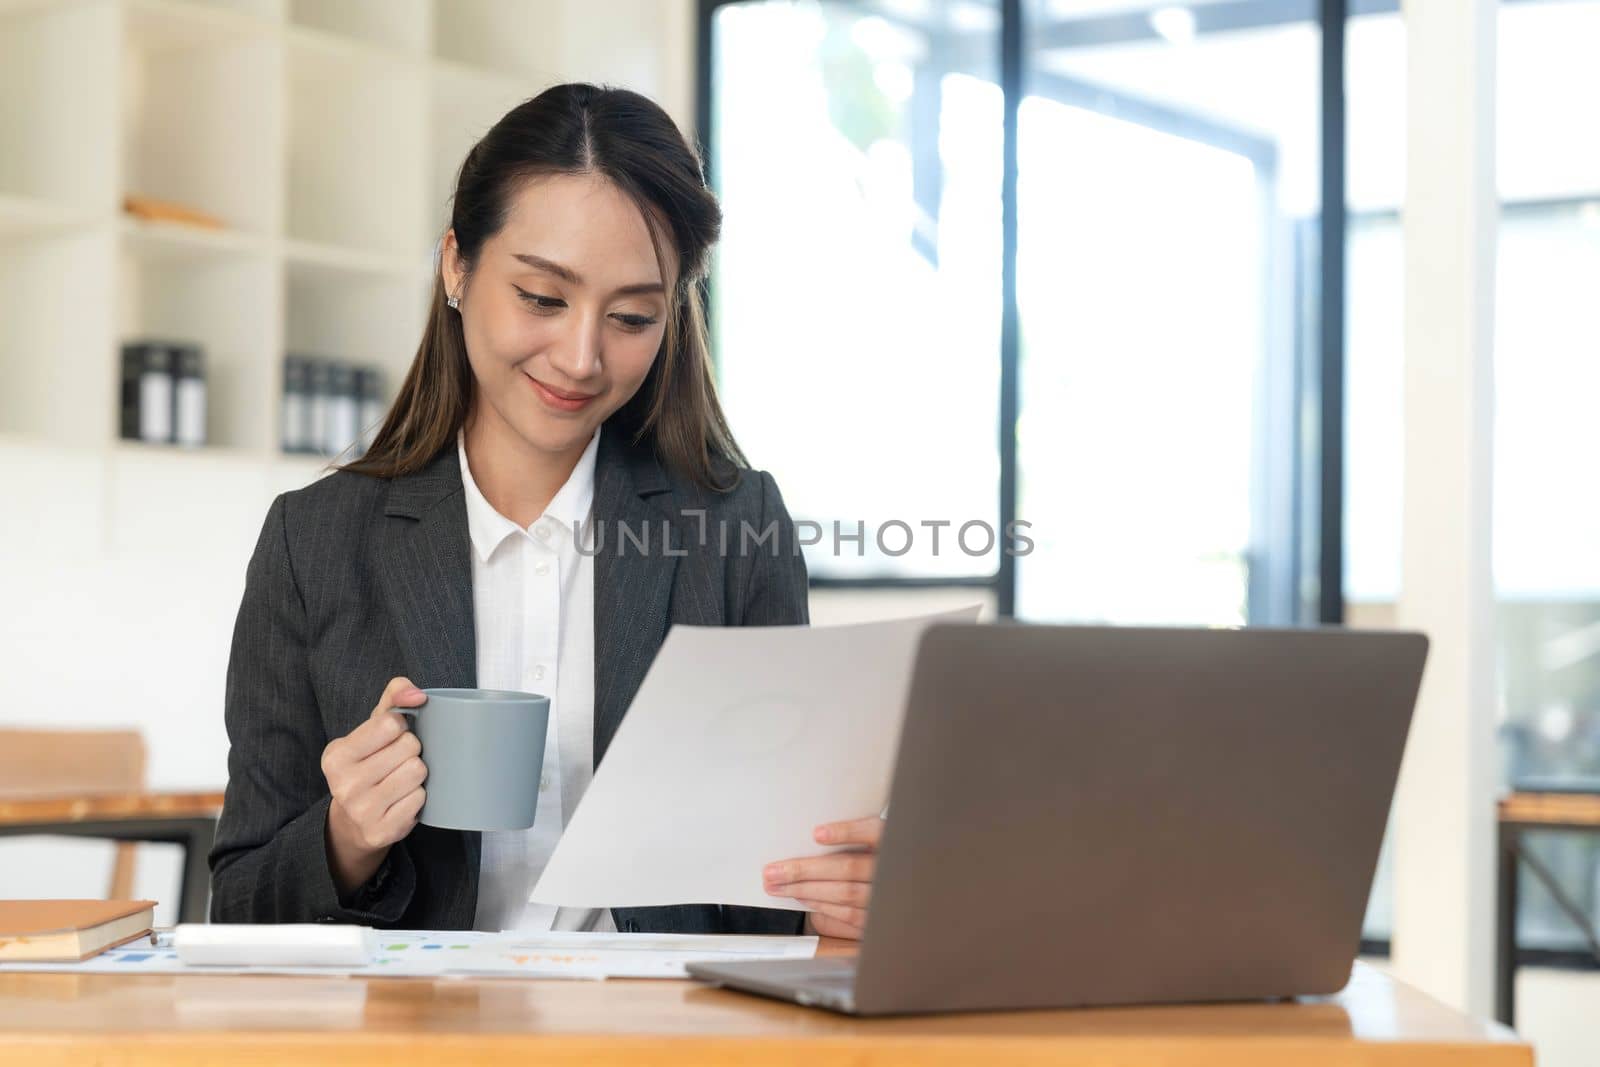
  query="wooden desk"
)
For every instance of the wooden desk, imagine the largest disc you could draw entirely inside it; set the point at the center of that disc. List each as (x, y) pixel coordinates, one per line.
(1519, 813)
(186, 819)
(49, 1019)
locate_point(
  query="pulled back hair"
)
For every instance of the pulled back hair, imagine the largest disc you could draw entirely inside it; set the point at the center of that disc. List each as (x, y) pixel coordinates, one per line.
(580, 129)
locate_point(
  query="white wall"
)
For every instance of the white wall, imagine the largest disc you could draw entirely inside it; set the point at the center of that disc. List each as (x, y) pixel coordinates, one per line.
(122, 573)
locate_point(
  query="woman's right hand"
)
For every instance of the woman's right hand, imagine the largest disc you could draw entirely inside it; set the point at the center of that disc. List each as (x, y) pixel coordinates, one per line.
(375, 775)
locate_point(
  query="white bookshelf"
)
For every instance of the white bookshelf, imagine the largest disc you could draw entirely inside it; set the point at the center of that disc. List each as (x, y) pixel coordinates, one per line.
(324, 134)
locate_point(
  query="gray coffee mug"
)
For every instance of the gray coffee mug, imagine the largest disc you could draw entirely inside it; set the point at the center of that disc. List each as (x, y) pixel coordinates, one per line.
(484, 749)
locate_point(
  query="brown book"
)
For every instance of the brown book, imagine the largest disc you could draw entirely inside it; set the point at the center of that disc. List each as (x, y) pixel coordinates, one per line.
(152, 210)
(52, 930)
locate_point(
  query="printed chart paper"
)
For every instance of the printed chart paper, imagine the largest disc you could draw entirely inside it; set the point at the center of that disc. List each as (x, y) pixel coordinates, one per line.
(446, 953)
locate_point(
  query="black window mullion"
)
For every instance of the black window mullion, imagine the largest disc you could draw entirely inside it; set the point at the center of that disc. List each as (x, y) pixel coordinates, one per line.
(1330, 315)
(1010, 322)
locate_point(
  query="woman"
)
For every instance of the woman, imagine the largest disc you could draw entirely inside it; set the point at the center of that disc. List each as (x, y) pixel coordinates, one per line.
(563, 375)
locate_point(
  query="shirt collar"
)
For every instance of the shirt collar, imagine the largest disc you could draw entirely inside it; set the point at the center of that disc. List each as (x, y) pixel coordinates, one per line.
(488, 528)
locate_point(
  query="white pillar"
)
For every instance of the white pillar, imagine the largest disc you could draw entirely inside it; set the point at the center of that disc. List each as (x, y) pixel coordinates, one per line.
(1444, 815)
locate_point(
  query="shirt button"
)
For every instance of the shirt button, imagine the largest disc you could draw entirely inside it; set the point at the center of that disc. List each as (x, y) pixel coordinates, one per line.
(543, 568)
(542, 532)
(538, 671)
(544, 783)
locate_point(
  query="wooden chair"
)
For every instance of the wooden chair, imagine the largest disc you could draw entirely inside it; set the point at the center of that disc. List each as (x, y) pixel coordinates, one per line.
(68, 763)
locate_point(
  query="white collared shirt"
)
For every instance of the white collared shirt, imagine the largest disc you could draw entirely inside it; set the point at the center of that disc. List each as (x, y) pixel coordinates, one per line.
(533, 609)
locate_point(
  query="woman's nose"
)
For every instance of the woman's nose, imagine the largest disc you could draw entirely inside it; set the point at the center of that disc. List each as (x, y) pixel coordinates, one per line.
(578, 356)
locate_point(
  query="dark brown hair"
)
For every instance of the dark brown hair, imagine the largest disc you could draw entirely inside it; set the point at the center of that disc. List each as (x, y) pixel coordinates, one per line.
(578, 128)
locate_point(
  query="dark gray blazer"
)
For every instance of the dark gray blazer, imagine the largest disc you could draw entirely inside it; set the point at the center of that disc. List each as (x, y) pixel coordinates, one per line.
(356, 580)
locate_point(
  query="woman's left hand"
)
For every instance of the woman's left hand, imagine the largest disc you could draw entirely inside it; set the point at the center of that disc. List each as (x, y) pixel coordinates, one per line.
(835, 887)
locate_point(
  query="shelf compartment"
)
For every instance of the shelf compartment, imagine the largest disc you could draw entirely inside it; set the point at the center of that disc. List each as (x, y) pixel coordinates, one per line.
(354, 181)
(203, 114)
(225, 297)
(56, 349)
(58, 126)
(355, 316)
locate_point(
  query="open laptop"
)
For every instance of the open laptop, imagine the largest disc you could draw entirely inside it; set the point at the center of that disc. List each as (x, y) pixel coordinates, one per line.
(1092, 815)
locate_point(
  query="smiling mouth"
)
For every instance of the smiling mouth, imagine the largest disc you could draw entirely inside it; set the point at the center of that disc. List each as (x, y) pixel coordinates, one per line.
(560, 398)
(562, 393)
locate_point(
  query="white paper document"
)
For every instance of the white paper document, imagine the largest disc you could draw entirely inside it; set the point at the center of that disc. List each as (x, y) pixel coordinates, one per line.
(739, 743)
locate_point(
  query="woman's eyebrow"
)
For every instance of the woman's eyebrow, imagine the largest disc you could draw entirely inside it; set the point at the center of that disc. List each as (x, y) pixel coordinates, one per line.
(567, 274)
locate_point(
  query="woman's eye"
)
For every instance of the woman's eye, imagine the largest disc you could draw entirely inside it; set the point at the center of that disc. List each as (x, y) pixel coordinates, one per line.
(636, 322)
(543, 303)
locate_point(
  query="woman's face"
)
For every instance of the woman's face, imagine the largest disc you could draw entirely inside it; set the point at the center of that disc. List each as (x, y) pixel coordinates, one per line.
(563, 312)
